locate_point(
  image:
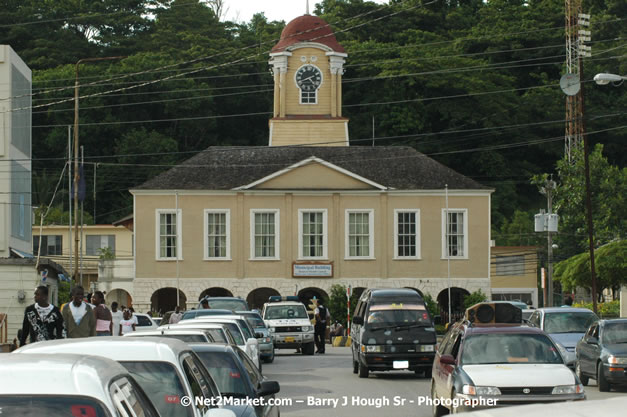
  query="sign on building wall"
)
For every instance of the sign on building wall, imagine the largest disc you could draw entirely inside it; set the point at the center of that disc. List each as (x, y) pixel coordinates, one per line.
(312, 270)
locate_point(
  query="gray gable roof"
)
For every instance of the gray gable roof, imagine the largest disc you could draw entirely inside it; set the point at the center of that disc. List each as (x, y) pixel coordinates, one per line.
(226, 168)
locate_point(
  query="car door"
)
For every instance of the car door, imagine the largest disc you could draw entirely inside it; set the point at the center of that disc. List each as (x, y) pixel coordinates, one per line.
(593, 351)
(583, 350)
(441, 371)
(356, 329)
(256, 379)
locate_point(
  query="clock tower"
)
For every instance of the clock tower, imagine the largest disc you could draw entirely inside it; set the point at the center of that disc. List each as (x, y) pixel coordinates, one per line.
(307, 65)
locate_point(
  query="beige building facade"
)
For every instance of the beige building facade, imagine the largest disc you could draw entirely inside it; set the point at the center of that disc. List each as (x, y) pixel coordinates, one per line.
(56, 243)
(514, 274)
(290, 219)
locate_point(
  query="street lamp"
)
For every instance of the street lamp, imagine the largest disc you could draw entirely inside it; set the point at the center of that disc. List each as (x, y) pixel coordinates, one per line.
(605, 78)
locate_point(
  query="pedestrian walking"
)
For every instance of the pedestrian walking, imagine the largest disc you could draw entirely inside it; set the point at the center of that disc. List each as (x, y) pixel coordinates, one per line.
(116, 318)
(42, 320)
(78, 316)
(176, 316)
(127, 325)
(321, 313)
(104, 319)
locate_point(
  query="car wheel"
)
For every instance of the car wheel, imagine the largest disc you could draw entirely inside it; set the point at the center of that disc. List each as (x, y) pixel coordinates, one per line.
(584, 379)
(355, 367)
(604, 386)
(308, 348)
(363, 370)
(438, 410)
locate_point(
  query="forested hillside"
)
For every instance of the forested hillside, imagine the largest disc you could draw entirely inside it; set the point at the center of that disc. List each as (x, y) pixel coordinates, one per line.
(471, 83)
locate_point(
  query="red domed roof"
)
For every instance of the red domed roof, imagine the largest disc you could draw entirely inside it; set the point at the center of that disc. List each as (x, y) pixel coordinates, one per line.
(308, 28)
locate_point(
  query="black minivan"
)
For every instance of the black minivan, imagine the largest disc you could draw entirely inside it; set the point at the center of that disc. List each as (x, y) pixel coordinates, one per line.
(392, 330)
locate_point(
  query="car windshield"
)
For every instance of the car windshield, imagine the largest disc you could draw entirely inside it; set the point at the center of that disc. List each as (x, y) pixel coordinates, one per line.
(222, 367)
(614, 333)
(208, 312)
(398, 314)
(187, 338)
(35, 406)
(254, 321)
(286, 312)
(568, 322)
(217, 335)
(237, 334)
(509, 348)
(162, 384)
(244, 326)
(233, 305)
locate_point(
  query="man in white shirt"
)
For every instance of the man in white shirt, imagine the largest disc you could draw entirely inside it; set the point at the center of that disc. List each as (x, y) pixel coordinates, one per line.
(176, 316)
(78, 316)
(116, 316)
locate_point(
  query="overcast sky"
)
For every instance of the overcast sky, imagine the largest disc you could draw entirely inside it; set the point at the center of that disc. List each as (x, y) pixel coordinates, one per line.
(243, 10)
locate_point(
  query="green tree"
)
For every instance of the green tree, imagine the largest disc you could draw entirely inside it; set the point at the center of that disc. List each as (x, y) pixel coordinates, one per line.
(337, 303)
(474, 298)
(611, 265)
(609, 202)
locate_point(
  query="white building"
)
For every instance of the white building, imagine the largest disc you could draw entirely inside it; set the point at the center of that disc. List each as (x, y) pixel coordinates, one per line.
(18, 273)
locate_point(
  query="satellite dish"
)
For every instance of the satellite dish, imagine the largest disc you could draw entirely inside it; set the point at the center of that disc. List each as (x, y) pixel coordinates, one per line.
(570, 85)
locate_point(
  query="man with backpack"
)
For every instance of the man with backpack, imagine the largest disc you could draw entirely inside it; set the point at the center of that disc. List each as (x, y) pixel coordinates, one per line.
(321, 314)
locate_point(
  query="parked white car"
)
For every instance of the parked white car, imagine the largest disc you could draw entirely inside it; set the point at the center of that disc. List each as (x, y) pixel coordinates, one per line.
(245, 341)
(66, 384)
(166, 369)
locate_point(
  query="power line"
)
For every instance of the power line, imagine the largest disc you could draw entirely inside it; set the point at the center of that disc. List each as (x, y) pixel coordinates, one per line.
(235, 50)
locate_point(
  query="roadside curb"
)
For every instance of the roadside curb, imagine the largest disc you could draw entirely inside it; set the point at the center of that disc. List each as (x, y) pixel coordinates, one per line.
(341, 341)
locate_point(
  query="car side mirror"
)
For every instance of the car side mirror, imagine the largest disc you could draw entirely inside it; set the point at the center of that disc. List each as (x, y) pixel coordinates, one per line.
(358, 320)
(268, 388)
(447, 359)
(592, 340)
(259, 335)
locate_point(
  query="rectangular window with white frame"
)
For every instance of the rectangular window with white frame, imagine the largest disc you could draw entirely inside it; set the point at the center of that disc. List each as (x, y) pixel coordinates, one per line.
(359, 234)
(455, 238)
(217, 234)
(169, 235)
(312, 234)
(406, 234)
(264, 234)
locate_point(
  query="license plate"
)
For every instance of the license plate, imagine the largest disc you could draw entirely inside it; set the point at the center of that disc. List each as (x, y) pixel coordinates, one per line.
(289, 340)
(400, 364)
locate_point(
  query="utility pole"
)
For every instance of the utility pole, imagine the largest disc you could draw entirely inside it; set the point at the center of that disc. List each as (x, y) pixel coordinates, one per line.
(550, 186)
(76, 171)
(547, 222)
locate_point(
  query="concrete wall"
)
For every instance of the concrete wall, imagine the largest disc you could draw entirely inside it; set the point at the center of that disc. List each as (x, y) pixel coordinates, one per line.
(15, 278)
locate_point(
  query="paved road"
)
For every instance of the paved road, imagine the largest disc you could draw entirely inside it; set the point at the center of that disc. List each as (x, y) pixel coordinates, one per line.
(329, 377)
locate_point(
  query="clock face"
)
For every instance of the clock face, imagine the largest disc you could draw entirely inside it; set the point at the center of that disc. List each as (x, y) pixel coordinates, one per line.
(308, 78)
